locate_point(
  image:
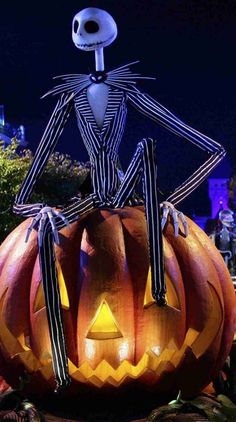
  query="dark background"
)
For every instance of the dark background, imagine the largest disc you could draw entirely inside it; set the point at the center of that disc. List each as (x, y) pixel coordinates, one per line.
(189, 46)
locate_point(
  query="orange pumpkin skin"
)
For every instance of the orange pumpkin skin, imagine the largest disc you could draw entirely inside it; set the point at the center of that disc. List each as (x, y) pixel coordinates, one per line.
(116, 336)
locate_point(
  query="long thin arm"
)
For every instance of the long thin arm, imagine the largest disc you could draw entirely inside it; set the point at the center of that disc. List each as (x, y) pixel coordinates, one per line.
(47, 144)
(152, 109)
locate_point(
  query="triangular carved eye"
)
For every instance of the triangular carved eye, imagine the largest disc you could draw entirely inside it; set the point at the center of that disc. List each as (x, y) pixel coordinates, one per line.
(39, 302)
(148, 299)
(103, 325)
(171, 294)
(62, 287)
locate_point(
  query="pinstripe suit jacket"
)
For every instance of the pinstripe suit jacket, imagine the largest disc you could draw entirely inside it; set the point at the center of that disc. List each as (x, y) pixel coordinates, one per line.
(103, 144)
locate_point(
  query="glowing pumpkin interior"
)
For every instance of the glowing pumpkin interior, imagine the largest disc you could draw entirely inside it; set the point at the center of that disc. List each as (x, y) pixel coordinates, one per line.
(115, 333)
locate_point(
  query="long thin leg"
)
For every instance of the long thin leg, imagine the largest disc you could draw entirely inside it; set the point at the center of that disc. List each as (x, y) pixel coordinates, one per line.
(51, 290)
(144, 164)
(53, 308)
(152, 209)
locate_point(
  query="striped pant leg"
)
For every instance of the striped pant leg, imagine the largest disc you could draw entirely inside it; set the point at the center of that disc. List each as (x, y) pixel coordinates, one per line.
(52, 294)
(144, 164)
(152, 209)
(53, 309)
(77, 209)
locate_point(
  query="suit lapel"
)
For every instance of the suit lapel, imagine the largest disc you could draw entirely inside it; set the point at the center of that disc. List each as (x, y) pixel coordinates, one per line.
(86, 111)
(115, 98)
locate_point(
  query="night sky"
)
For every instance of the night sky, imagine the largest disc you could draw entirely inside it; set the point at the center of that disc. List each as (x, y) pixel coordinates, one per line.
(189, 46)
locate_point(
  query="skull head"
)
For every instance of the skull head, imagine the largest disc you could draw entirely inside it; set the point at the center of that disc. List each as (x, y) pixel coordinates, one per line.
(93, 28)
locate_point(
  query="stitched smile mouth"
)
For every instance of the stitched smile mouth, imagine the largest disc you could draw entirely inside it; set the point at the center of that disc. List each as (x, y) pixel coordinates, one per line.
(95, 44)
(90, 45)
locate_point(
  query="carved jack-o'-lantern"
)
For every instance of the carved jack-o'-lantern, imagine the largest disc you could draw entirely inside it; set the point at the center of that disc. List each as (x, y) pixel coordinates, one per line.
(115, 334)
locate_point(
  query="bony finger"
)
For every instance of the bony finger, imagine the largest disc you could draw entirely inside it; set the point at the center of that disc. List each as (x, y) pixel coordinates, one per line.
(56, 236)
(176, 228)
(29, 230)
(58, 214)
(163, 222)
(40, 236)
(186, 230)
(32, 225)
(54, 228)
(185, 224)
(52, 222)
(174, 215)
(42, 223)
(50, 216)
(175, 222)
(165, 212)
(65, 219)
(44, 217)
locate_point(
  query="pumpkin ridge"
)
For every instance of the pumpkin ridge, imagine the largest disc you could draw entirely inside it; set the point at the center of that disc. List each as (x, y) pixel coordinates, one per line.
(227, 294)
(17, 275)
(194, 276)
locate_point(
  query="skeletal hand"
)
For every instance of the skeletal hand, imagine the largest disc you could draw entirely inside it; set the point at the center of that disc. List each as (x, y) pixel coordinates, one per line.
(46, 214)
(169, 209)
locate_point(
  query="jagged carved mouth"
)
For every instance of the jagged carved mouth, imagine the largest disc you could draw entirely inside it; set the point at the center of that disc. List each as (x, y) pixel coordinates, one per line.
(153, 360)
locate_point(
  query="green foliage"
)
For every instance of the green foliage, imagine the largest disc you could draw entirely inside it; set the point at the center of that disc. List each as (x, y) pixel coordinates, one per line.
(60, 181)
(200, 408)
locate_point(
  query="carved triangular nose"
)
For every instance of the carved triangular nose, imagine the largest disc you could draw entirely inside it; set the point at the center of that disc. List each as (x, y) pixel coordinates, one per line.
(104, 325)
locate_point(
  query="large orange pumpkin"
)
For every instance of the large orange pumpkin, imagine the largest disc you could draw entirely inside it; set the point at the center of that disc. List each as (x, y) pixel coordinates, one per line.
(115, 333)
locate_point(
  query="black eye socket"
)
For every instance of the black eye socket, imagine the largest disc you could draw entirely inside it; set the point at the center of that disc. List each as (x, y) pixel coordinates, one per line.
(75, 26)
(91, 27)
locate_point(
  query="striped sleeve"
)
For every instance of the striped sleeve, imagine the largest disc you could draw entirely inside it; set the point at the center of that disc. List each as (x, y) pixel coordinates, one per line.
(155, 111)
(46, 147)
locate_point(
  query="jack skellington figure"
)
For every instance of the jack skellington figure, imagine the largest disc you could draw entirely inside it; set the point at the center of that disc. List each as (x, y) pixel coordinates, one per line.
(100, 102)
